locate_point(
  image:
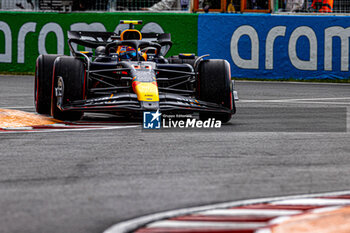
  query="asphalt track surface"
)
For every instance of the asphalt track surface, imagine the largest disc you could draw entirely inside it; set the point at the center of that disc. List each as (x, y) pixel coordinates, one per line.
(86, 181)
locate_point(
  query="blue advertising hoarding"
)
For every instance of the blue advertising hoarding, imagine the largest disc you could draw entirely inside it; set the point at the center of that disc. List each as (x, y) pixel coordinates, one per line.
(278, 46)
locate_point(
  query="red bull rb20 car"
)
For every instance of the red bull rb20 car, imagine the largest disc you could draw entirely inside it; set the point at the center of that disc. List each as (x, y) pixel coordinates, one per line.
(127, 73)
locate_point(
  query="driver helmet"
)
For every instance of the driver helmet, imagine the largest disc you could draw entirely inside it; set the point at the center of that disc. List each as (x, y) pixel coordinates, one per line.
(127, 52)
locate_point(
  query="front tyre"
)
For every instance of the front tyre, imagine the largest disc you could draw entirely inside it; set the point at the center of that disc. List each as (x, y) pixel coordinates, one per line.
(214, 85)
(43, 83)
(68, 85)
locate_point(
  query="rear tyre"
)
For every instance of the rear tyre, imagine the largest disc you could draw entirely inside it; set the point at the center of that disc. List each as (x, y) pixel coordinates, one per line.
(214, 85)
(69, 81)
(43, 83)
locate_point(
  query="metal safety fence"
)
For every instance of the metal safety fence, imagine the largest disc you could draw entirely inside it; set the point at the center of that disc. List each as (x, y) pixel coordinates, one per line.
(230, 6)
(313, 6)
(96, 5)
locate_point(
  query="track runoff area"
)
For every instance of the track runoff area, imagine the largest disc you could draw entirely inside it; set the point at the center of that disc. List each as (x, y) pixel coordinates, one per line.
(264, 108)
(327, 213)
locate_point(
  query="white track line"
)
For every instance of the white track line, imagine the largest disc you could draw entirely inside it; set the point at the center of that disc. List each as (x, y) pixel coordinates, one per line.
(347, 119)
(293, 82)
(133, 224)
(312, 201)
(315, 102)
(16, 107)
(18, 128)
(304, 100)
(70, 130)
(263, 231)
(279, 220)
(250, 212)
(297, 102)
(282, 219)
(206, 225)
(325, 209)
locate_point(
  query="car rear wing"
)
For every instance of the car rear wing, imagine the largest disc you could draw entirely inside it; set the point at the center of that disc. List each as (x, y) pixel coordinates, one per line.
(92, 36)
(94, 39)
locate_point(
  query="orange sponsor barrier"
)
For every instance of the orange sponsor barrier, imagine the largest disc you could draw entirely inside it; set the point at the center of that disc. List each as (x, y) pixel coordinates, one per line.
(332, 221)
(15, 119)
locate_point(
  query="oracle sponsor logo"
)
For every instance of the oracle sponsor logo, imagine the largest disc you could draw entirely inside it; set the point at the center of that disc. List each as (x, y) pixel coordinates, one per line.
(31, 27)
(310, 64)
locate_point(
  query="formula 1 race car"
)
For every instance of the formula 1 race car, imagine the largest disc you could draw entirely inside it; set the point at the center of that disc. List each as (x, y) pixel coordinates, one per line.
(126, 73)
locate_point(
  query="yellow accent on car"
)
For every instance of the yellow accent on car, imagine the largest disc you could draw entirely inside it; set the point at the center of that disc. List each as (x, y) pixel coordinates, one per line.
(187, 56)
(147, 91)
(132, 34)
(131, 21)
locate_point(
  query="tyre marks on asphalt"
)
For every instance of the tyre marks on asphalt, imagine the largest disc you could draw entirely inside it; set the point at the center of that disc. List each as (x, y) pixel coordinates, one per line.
(321, 214)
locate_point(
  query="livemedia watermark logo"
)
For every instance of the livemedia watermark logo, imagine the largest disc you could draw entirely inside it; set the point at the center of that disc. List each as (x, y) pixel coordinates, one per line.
(157, 120)
(152, 120)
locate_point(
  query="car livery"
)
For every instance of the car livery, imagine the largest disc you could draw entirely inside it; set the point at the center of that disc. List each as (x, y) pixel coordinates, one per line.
(127, 73)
